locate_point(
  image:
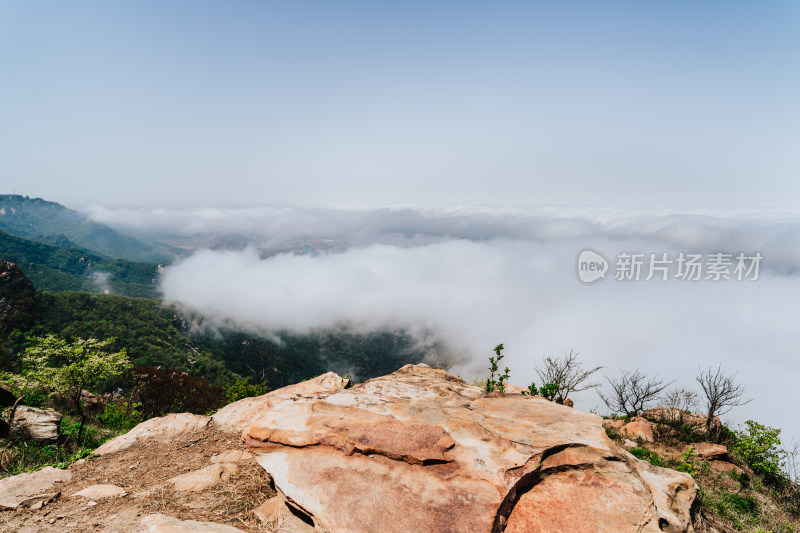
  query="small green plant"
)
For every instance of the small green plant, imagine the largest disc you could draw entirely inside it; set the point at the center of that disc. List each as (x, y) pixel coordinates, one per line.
(647, 455)
(689, 464)
(759, 446)
(549, 391)
(242, 388)
(532, 390)
(498, 384)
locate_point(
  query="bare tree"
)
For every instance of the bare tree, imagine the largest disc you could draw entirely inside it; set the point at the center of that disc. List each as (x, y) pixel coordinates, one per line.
(567, 373)
(791, 464)
(721, 391)
(678, 402)
(631, 393)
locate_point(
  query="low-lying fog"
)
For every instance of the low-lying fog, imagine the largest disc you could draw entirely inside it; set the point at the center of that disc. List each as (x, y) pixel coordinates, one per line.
(478, 277)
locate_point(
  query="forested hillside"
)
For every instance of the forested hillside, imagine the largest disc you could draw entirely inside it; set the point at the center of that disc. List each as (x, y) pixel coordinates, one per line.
(51, 223)
(66, 268)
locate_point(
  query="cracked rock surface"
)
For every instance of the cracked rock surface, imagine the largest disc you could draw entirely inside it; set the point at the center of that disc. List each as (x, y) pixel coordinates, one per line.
(421, 450)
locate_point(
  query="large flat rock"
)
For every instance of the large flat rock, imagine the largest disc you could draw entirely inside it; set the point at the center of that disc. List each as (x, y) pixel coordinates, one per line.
(421, 450)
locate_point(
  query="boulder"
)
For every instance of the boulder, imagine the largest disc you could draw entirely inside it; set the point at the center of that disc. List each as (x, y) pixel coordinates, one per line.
(205, 478)
(234, 417)
(613, 424)
(638, 429)
(39, 485)
(37, 424)
(421, 450)
(159, 523)
(160, 429)
(708, 451)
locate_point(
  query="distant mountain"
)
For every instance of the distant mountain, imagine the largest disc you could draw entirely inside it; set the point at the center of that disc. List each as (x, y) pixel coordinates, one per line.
(66, 268)
(53, 224)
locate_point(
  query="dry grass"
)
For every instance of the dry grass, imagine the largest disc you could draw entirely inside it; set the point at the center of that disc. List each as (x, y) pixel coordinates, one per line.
(245, 491)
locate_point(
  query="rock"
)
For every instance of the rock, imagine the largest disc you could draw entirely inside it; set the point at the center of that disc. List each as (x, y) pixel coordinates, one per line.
(568, 402)
(159, 523)
(17, 489)
(628, 443)
(235, 417)
(638, 430)
(724, 466)
(205, 478)
(513, 389)
(161, 429)
(277, 510)
(232, 456)
(37, 424)
(421, 450)
(708, 451)
(96, 492)
(613, 424)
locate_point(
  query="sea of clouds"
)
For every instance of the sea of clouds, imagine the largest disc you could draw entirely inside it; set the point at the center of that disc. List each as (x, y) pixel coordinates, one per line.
(476, 277)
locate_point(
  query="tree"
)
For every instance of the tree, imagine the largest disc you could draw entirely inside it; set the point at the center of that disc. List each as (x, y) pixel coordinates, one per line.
(71, 368)
(721, 391)
(567, 374)
(631, 393)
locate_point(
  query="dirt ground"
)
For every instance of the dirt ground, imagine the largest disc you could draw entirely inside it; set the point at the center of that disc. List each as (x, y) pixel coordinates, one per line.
(143, 471)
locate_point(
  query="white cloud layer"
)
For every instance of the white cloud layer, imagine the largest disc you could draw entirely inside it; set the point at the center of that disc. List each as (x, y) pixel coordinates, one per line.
(514, 281)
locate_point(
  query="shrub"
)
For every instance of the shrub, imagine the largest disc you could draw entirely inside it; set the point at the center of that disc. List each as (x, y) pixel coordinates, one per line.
(242, 388)
(759, 446)
(121, 416)
(170, 391)
(549, 391)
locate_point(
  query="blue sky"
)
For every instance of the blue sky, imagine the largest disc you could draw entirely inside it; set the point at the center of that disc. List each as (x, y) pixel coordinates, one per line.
(253, 103)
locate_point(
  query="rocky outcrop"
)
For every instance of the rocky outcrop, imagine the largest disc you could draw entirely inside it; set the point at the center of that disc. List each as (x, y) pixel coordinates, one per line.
(36, 424)
(421, 450)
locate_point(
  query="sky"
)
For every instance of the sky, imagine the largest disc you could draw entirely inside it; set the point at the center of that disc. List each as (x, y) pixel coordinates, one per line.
(459, 154)
(505, 103)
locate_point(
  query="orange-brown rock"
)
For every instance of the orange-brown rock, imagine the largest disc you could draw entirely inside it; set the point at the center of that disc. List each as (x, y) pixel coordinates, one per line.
(709, 452)
(638, 429)
(724, 466)
(421, 450)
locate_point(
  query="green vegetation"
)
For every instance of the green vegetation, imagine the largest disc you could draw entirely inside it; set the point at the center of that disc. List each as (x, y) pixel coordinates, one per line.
(53, 224)
(64, 268)
(759, 447)
(498, 384)
(71, 368)
(242, 388)
(647, 455)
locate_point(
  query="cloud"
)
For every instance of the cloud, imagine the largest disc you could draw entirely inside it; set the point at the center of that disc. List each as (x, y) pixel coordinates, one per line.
(477, 279)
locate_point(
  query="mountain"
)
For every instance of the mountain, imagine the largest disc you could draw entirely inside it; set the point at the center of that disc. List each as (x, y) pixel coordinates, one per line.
(53, 224)
(67, 268)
